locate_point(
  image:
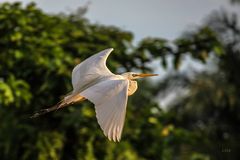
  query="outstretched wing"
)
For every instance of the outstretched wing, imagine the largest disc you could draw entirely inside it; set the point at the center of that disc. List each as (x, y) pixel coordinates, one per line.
(86, 73)
(110, 99)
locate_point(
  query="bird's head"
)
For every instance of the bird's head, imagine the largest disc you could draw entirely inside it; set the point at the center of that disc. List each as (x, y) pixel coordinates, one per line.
(133, 75)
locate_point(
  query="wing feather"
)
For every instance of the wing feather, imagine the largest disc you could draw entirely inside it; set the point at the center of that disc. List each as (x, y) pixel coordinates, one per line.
(87, 72)
(110, 99)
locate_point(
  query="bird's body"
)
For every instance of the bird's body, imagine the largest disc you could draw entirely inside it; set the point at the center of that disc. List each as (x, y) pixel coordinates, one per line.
(132, 87)
(92, 80)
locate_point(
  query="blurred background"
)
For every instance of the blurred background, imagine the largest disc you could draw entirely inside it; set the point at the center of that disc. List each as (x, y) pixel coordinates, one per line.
(190, 112)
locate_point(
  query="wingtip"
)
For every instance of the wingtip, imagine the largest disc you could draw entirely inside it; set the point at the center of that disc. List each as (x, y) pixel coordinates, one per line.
(106, 51)
(110, 49)
(114, 139)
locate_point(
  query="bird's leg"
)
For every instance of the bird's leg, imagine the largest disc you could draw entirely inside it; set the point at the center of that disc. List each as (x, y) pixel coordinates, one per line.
(69, 100)
(61, 104)
(44, 111)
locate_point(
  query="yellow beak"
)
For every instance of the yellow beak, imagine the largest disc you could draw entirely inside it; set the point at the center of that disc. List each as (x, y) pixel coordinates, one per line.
(146, 75)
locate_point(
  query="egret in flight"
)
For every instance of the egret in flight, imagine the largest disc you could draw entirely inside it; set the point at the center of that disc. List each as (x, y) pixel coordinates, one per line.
(92, 80)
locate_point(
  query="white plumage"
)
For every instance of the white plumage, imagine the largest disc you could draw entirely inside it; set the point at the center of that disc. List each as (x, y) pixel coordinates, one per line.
(92, 80)
(90, 71)
(110, 100)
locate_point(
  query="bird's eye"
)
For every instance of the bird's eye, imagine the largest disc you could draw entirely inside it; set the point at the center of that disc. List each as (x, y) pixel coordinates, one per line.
(134, 75)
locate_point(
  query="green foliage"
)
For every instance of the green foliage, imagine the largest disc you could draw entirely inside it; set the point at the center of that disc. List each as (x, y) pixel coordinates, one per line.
(14, 91)
(38, 52)
(211, 106)
(197, 44)
(50, 145)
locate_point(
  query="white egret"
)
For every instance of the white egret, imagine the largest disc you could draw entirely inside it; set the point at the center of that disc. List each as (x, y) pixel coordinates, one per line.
(92, 80)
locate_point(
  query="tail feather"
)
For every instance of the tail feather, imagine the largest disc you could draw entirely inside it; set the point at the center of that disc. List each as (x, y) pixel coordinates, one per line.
(65, 102)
